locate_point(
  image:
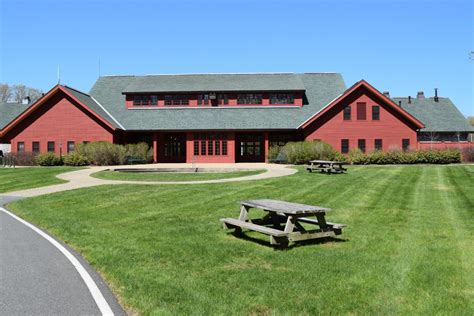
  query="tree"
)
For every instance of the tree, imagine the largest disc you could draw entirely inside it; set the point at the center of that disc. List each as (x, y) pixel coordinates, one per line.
(470, 119)
(5, 92)
(20, 92)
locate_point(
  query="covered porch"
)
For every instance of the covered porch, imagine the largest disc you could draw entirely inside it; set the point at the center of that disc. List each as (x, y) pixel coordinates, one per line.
(212, 146)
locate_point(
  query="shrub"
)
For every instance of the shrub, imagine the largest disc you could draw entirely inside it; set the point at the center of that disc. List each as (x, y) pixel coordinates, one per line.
(303, 152)
(76, 159)
(468, 154)
(273, 153)
(405, 157)
(19, 159)
(106, 154)
(140, 150)
(48, 159)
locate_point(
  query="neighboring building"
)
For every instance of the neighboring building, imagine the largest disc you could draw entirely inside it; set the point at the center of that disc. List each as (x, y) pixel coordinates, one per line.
(229, 117)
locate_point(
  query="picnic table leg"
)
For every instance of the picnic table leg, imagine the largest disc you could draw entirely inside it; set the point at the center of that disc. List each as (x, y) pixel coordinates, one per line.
(322, 221)
(244, 213)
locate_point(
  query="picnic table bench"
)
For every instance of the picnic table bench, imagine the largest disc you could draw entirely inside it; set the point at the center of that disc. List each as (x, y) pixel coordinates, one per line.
(284, 221)
(327, 166)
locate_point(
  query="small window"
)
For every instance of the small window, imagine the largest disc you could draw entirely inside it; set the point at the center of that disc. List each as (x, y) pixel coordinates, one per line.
(249, 98)
(86, 142)
(347, 113)
(361, 111)
(344, 146)
(203, 147)
(210, 147)
(217, 147)
(282, 98)
(176, 99)
(361, 145)
(196, 147)
(20, 147)
(70, 146)
(405, 144)
(224, 147)
(378, 144)
(35, 147)
(223, 99)
(203, 99)
(154, 100)
(375, 113)
(51, 148)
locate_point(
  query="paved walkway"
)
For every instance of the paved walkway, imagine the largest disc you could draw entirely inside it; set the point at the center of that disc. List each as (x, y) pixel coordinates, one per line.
(82, 179)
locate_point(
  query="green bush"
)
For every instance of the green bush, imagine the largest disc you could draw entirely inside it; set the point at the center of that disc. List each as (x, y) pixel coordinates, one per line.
(106, 154)
(76, 159)
(273, 153)
(303, 152)
(405, 157)
(49, 159)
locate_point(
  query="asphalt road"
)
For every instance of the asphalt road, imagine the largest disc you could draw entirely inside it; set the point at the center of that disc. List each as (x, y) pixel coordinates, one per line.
(37, 279)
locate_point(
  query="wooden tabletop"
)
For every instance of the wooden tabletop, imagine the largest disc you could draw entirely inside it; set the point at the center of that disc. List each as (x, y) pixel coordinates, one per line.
(285, 207)
(328, 162)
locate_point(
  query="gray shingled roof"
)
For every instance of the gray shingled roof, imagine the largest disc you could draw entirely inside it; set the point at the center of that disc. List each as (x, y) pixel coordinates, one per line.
(442, 116)
(92, 104)
(10, 111)
(215, 82)
(321, 88)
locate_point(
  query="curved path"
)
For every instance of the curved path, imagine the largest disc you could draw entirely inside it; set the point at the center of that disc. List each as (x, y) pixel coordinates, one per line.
(40, 275)
(82, 178)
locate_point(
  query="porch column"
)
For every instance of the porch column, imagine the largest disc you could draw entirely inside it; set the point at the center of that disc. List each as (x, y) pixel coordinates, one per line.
(155, 148)
(266, 145)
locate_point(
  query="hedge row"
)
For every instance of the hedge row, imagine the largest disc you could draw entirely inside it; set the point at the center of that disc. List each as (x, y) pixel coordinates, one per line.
(303, 152)
(96, 153)
(405, 157)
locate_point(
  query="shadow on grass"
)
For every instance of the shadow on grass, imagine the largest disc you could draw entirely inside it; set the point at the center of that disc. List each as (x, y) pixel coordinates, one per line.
(292, 245)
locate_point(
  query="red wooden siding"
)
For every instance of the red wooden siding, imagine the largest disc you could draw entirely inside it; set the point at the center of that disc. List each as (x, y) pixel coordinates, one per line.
(390, 128)
(59, 120)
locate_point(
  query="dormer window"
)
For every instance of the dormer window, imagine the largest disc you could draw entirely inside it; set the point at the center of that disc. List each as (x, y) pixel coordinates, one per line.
(176, 99)
(223, 99)
(203, 99)
(145, 100)
(249, 98)
(282, 98)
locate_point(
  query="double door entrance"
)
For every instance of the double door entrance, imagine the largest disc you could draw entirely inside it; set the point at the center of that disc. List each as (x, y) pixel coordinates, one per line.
(250, 147)
(173, 148)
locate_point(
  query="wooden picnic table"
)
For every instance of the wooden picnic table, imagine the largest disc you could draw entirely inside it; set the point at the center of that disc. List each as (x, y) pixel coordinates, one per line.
(327, 166)
(284, 221)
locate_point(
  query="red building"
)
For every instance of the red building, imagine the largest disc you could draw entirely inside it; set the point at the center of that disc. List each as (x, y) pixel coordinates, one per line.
(230, 117)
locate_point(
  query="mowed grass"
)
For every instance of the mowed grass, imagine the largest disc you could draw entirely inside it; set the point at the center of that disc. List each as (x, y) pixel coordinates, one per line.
(30, 177)
(172, 176)
(408, 247)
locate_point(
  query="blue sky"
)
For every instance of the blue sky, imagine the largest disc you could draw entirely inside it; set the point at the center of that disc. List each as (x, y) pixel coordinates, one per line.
(399, 46)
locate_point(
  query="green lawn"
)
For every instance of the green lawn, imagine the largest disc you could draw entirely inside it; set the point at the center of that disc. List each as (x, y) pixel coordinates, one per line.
(408, 247)
(172, 176)
(30, 177)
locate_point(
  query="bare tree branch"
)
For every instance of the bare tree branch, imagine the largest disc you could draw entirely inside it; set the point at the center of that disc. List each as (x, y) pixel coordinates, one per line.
(20, 91)
(5, 92)
(34, 94)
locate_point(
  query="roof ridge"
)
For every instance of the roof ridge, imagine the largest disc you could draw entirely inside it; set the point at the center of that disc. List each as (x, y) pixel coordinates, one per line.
(222, 73)
(81, 92)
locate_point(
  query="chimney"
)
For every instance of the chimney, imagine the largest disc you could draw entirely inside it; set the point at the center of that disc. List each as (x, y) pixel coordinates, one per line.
(420, 95)
(409, 99)
(387, 94)
(436, 99)
(26, 100)
(400, 103)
